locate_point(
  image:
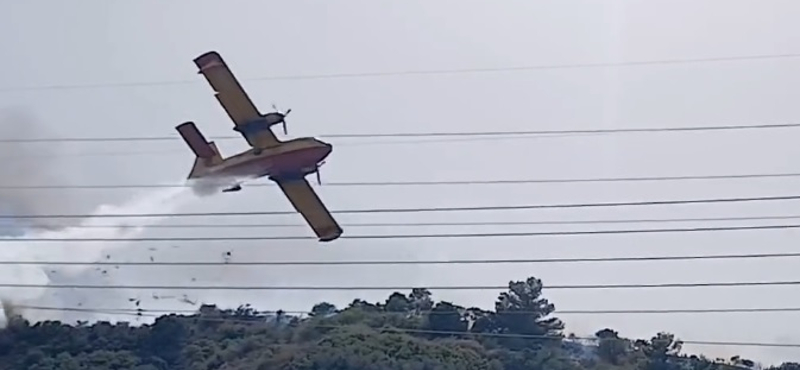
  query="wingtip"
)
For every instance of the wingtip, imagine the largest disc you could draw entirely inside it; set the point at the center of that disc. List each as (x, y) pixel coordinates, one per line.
(208, 59)
(187, 123)
(332, 237)
(213, 54)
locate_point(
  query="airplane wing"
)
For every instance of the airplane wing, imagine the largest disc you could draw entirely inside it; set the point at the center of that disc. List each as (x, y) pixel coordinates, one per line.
(308, 204)
(233, 98)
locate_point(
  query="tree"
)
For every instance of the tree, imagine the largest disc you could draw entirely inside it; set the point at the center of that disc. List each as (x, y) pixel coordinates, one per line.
(421, 299)
(741, 362)
(659, 350)
(323, 309)
(523, 311)
(611, 347)
(446, 317)
(397, 302)
(787, 366)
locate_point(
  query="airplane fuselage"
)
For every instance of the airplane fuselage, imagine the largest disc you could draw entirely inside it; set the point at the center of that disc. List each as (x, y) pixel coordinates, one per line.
(294, 158)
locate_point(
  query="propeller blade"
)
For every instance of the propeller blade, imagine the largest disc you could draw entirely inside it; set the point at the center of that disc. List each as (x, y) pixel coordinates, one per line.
(319, 177)
(285, 132)
(287, 112)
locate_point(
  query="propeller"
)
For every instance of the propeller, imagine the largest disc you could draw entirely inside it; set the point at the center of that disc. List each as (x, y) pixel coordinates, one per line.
(283, 117)
(319, 177)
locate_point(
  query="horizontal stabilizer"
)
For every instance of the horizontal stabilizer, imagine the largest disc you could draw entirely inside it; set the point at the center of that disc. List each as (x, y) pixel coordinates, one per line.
(195, 140)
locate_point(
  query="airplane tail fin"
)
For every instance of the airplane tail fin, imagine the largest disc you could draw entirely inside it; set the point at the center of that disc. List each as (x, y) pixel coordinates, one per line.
(206, 152)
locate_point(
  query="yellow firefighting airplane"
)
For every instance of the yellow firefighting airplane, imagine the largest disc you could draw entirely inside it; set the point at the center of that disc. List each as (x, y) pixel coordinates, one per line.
(287, 163)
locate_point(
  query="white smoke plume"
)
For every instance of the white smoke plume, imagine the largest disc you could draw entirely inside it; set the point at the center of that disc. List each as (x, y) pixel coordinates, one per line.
(163, 201)
(36, 164)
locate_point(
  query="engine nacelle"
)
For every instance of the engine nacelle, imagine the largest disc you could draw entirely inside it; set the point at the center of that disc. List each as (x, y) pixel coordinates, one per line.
(263, 123)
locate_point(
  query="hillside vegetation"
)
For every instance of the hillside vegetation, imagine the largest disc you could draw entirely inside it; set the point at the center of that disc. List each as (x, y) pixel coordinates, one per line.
(406, 332)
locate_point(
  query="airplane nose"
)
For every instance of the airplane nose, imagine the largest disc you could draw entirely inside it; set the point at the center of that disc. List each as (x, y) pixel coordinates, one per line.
(327, 146)
(325, 150)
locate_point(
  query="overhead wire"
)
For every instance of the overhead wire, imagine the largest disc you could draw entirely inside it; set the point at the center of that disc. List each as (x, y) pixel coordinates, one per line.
(345, 144)
(434, 223)
(426, 209)
(441, 182)
(410, 262)
(404, 287)
(434, 312)
(414, 236)
(413, 72)
(427, 134)
(95, 154)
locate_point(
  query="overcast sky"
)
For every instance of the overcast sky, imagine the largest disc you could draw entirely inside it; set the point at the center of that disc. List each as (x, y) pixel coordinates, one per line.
(112, 42)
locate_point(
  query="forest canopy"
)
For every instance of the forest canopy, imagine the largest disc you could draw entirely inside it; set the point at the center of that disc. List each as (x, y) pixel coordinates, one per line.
(407, 331)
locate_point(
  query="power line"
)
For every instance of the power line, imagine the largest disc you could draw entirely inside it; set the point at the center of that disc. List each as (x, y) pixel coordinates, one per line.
(398, 288)
(432, 312)
(533, 336)
(430, 134)
(95, 154)
(442, 182)
(424, 209)
(344, 144)
(414, 236)
(411, 262)
(426, 224)
(413, 72)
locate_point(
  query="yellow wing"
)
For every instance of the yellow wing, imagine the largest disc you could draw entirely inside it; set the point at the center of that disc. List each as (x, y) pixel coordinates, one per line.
(308, 204)
(234, 99)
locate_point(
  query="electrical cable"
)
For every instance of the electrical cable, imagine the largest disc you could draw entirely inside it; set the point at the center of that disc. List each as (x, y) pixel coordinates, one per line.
(413, 236)
(441, 182)
(667, 311)
(408, 262)
(407, 288)
(429, 134)
(426, 209)
(434, 223)
(414, 72)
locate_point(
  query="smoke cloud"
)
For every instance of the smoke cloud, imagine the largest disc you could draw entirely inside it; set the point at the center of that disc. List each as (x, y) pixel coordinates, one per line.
(35, 164)
(163, 201)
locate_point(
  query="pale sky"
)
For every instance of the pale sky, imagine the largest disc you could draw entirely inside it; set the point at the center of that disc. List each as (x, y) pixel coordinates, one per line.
(115, 42)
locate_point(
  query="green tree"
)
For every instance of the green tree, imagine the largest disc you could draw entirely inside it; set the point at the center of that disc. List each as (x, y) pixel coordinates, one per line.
(421, 299)
(787, 366)
(446, 317)
(611, 347)
(397, 302)
(323, 309)
(523, 311)
(660, 351)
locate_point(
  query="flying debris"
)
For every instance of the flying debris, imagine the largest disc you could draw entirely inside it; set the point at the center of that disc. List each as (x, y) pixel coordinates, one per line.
(287, 163)
(185, 299)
